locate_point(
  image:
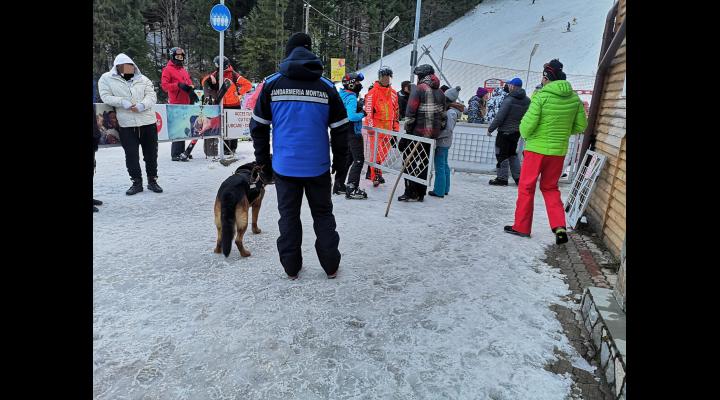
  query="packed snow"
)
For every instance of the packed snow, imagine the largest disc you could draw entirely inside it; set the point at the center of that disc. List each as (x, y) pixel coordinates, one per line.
(501, 33)
(433, 302)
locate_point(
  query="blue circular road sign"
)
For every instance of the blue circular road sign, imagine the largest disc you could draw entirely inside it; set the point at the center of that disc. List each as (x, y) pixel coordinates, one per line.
(220, 17)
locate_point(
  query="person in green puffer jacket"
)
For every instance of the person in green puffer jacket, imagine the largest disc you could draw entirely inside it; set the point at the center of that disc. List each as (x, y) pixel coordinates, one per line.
(555, 113)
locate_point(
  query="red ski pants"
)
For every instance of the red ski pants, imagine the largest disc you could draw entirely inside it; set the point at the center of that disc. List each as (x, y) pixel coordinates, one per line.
(383, 143)
(548, 168)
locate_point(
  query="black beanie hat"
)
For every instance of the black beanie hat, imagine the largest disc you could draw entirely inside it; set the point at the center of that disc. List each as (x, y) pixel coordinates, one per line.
(553, 70)
(298, 39)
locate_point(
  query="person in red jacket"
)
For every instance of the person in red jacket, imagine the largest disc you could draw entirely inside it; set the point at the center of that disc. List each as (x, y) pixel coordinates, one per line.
(383, 111)
(237, 87)
(175, 80)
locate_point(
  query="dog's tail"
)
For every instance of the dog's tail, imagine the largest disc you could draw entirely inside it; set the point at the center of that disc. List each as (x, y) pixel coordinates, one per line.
(228, 202)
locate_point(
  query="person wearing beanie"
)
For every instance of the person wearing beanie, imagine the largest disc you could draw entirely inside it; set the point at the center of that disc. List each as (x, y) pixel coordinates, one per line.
(403, 97)
(477, 106)
(555, 113)
(383, 112)
(507, 122)
(426, 117)
(301, 105)
(454, 110)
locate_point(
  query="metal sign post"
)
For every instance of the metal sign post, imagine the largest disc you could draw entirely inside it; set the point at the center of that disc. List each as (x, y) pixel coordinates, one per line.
(220, 19)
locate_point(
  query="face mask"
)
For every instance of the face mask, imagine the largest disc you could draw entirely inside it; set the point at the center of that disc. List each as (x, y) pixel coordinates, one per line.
(357, 88)
(506, 89)
(127, 77)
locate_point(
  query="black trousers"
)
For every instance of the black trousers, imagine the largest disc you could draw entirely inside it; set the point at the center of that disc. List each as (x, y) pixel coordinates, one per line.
(355, 159)
(177, 148)
(145, 136)
(289, 197)
(506, 142)
(414, 189)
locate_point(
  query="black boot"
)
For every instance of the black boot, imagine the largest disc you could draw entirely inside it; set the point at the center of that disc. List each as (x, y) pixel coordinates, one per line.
(560, 235)
(97, 202)
(498, 182)
(152, 185)
(95, 209)
(339, 188)
(509, 229)
(353, 192)
(135, 188)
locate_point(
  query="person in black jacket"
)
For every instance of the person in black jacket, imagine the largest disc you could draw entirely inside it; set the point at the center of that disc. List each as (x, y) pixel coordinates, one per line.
(403, 97)
(507, 122)
(301, 105)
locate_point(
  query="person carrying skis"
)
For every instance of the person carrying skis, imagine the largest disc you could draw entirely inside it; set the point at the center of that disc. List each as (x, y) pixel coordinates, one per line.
(355, 157)
(175, 80)
(383, 111)
(235, 87)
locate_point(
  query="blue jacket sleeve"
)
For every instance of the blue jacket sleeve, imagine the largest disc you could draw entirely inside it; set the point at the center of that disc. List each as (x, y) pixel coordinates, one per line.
(351, 108)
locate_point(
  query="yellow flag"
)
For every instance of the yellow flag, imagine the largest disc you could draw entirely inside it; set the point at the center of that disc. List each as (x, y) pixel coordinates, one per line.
(337, 69)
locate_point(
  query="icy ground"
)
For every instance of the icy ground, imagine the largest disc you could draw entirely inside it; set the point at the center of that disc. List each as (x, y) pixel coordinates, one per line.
(434, 302)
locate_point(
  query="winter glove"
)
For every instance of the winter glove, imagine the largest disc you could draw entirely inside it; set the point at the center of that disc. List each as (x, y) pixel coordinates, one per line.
(193, 97)
(126, 104)
(184, 87)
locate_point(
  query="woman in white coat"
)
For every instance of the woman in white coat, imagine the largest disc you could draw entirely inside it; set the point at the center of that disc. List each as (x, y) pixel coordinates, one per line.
(133, 96)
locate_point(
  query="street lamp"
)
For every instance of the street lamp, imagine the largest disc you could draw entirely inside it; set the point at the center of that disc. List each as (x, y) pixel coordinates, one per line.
(532, 53)
(382, 37)
(442, 56)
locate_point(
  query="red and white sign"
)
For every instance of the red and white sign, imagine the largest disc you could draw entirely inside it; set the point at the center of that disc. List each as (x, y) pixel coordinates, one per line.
(161, 116)
(492, 83)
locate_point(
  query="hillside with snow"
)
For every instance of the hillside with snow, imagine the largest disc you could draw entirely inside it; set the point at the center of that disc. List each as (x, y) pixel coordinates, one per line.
(501, 33)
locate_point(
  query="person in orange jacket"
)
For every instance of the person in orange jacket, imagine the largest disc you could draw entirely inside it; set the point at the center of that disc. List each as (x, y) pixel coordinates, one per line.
(383, 112)
(237, 88)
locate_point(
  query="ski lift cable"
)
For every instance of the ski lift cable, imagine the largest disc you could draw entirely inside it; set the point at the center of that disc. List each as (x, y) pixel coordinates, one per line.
(348, 28)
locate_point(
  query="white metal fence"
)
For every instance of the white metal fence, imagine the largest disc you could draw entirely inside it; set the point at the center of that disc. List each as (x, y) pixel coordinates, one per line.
(388, 150)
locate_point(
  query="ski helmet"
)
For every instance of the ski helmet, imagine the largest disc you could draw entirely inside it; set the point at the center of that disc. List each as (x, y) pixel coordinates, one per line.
(385, 71)
(226, 62)
(352, 81)
(177, 56)
(423, 70)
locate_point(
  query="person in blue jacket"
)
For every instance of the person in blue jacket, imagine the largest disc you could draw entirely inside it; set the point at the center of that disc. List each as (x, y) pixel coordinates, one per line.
(301, 105)
(355, 155)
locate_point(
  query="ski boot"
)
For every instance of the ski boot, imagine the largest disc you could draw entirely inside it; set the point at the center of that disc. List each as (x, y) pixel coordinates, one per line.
(498, 182)
(411, 198)
(339, 188)
(183, 157)
(509, 229)
(97, 202)
(136, 187)
(376, 181)
(152, 185)
(560, 235)
(356, 193)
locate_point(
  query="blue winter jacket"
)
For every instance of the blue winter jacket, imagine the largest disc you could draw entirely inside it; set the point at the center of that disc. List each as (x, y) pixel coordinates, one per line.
(349, 98)
(301, 105)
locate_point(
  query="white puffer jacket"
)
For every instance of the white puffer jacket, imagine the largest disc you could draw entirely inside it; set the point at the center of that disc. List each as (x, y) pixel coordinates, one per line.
(121, 94)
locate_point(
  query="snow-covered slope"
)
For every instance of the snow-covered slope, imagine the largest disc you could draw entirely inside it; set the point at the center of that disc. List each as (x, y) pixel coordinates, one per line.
(501, 33)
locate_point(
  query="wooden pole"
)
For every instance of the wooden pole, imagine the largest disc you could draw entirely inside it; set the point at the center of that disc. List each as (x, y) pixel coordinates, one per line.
(402, 171)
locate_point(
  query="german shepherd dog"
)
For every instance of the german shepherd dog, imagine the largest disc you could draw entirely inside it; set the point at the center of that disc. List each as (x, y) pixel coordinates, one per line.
(242, 190)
